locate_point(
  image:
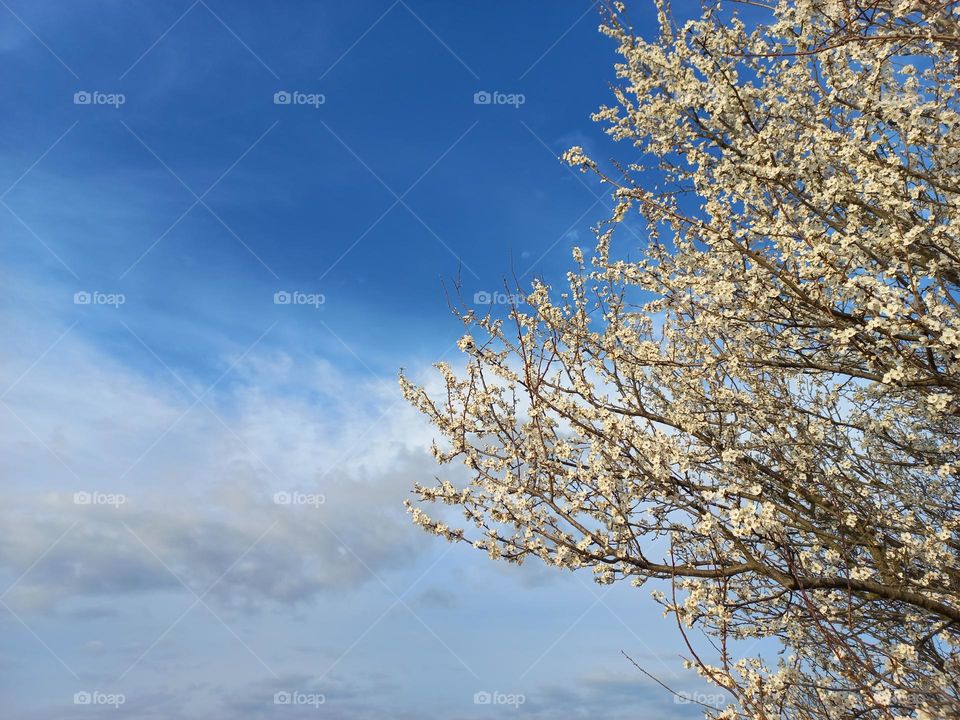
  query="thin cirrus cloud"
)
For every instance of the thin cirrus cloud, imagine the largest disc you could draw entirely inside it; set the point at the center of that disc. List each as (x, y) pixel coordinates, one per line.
(174, 492)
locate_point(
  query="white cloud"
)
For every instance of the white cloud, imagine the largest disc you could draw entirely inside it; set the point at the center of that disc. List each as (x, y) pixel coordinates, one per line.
(198, 484)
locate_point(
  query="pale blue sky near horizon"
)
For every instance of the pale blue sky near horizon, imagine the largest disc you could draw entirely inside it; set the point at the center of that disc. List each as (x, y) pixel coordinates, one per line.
(209, 293)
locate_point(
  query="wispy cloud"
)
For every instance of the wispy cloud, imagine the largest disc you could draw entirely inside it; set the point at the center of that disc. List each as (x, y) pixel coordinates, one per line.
(280, 445)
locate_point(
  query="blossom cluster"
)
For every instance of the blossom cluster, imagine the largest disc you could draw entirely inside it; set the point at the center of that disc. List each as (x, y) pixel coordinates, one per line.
(763, 408)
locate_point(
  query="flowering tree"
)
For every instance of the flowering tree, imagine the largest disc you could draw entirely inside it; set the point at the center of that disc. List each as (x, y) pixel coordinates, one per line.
(763, 408)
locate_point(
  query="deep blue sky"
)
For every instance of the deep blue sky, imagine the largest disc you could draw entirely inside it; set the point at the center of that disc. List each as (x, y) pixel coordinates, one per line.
(198, 398)
(497, 203)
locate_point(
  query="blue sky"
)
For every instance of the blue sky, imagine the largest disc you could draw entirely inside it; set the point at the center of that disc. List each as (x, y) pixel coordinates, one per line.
(181, 398)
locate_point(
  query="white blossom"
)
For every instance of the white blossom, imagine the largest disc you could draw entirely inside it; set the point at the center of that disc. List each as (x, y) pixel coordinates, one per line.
(756, 403)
